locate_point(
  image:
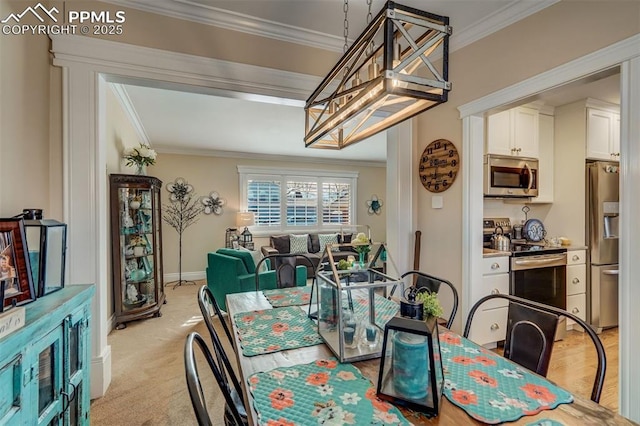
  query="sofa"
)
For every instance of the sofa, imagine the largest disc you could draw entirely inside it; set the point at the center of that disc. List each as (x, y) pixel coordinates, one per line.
(282, 244)
(234, 271)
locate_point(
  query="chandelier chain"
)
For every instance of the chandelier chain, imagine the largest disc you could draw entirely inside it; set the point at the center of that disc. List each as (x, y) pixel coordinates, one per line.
(369, 17)
(345, 7)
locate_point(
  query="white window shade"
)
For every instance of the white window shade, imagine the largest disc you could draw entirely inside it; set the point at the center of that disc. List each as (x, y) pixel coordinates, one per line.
(263, 199)
(336, 203)
(302, 203)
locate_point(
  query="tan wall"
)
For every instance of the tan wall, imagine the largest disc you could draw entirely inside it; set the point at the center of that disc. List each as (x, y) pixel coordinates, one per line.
(24, 123)
(208, 174)
(554, 36)
(119, 133)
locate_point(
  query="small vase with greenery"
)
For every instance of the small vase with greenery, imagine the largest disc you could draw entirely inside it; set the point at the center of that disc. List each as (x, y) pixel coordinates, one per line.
(430, 304)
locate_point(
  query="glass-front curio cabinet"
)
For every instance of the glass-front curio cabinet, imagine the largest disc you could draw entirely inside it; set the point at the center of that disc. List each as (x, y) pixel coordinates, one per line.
(138, 287)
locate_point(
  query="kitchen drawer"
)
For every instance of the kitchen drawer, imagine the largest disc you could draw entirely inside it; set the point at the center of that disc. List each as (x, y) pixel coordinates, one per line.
(576, 257)
(489, 326)
(576, 279)
(495, 265)
(577, 305)
(492, 284)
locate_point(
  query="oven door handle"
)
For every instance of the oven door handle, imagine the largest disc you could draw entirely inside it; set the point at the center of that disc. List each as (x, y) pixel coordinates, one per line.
(611, 272)
(545, 261)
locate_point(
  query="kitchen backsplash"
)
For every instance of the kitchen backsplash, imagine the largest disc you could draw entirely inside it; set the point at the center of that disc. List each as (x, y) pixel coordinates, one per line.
(513, 210)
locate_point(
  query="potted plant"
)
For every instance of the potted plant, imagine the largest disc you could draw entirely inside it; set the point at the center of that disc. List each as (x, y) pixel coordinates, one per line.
(430, 304)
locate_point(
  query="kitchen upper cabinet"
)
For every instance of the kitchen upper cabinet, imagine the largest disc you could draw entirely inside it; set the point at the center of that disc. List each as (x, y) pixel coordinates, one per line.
(603, 135)
(513, 132)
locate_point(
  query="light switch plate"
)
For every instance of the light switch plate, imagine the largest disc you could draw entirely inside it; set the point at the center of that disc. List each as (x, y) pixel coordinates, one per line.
(437, 202)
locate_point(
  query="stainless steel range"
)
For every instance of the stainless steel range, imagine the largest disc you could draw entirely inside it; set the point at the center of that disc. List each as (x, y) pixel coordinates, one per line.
(537, 272)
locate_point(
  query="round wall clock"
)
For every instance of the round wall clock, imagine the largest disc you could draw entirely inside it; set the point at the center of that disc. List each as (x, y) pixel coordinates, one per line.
(439, 165)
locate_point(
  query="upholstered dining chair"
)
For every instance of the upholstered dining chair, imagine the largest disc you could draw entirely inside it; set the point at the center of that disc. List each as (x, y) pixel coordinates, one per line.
(432, 284)
(287, 273)
(530, 332)
(234, 414)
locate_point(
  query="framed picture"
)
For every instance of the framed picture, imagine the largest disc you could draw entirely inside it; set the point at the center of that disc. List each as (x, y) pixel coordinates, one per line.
(16, 282)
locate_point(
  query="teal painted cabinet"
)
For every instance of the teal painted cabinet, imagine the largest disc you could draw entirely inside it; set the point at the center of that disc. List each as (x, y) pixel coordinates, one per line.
(44, 366)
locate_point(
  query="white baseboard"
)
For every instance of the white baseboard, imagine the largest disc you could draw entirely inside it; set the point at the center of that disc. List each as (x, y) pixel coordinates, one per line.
(192, 276)
(100, 373)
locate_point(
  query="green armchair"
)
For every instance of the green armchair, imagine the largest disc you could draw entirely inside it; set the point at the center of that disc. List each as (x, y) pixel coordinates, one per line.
(233, 271)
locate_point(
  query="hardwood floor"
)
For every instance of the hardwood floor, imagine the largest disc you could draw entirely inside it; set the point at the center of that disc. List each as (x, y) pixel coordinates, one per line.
(573, 365)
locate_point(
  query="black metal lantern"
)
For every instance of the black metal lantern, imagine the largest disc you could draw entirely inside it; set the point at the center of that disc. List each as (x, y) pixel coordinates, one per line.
(47, 244)
(411, 365)
(246, 219)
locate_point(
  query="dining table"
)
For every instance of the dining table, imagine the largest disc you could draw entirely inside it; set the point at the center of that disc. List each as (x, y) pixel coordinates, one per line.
(580, 411)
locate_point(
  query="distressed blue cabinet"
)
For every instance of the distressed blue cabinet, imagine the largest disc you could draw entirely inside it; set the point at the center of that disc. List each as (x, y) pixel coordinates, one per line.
(44, 366)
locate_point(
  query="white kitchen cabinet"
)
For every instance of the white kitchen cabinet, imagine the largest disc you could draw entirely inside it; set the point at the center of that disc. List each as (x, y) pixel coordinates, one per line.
(545, 159)
(576, 285)
(513, 132)
(490, 321)
(603, 135)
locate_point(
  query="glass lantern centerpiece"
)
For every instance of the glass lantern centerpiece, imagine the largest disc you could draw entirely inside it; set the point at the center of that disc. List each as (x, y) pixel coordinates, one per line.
(411, 365)
(352, 306)
(47, 243)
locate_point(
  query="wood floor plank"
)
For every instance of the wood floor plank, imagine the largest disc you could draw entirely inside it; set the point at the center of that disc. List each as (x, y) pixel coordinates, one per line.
(573, 365)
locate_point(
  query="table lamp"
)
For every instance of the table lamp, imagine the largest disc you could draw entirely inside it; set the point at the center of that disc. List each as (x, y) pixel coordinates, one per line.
(245, 219)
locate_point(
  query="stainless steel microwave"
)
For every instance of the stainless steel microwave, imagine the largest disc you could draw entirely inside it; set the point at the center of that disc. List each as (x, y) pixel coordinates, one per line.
(507, 176)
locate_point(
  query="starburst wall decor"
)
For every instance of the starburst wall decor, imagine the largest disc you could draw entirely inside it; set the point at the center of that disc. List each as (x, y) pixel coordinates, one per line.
(374, 205)
(213, 203)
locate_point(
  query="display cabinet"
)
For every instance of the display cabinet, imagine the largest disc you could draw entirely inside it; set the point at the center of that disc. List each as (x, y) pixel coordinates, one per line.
(44, 366)
(138, 286)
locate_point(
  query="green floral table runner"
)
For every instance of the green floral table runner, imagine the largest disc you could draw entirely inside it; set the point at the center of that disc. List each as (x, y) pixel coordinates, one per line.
(292, 296)
(272, 330)
(322, 392)
(490, 388)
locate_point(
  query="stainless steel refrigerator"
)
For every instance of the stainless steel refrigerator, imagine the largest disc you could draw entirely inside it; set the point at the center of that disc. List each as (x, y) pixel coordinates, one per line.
(602, 209)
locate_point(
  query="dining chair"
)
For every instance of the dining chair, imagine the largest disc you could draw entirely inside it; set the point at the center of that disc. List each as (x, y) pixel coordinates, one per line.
(529, 321)
(432, 284)
(234, 411)
(287, 274)
(206, 301)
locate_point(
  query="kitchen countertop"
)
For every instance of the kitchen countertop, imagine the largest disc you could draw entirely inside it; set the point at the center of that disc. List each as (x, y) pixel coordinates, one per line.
(488, 252)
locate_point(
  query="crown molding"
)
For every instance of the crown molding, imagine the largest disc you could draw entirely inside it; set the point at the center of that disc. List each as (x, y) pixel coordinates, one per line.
(204, 14)
(123, 98)
(269, 157)
(209, 15)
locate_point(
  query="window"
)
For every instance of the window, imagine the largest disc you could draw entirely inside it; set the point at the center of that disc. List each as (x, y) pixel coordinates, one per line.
(298, 200)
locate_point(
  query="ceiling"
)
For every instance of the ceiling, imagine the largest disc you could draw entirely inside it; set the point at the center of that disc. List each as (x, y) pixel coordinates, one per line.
(185, 121)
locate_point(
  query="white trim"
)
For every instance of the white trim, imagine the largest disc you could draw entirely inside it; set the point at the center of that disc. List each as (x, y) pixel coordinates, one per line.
(136, 62)
(629, 291)
(605, 58)
(606, 106)
(100, 374)
(596, 61)
(506, 16)
(123, 98)
(270, 157)
(297, 172)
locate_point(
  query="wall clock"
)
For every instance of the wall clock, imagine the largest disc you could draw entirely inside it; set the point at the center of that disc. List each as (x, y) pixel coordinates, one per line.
(439, 165)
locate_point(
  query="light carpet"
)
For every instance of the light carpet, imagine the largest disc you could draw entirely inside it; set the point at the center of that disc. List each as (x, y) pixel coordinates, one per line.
(148, 384)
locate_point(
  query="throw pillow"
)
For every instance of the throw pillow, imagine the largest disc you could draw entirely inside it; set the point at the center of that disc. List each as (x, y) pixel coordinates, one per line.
(280, 243)
(298, 243)
(327, 239)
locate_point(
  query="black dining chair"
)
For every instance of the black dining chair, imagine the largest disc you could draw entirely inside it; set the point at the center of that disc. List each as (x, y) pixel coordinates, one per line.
(234, 412)
(530, 333)
(430, 283)
(285, 267)
(206, 302)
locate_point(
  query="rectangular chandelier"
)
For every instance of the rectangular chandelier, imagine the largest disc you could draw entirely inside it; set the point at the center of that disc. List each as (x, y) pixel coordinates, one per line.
(397, 68)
